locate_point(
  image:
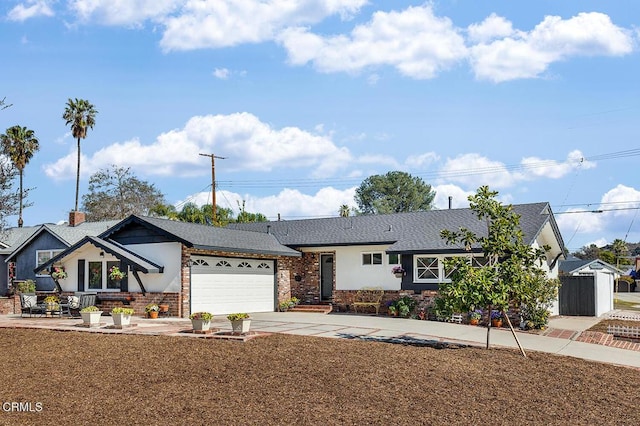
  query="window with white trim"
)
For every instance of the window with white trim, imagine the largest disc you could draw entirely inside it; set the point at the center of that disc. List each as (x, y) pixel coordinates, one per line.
(374, 258)
(393, 259)
(427, 268)
(43, 256)
(431, 269)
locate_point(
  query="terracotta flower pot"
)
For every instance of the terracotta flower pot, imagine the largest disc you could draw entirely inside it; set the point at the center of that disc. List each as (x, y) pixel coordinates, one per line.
(474, 321)
(496, 323)
(153, 314)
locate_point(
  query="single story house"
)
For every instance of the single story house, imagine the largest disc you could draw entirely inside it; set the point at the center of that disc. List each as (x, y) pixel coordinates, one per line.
(343, 254)
(250, 267)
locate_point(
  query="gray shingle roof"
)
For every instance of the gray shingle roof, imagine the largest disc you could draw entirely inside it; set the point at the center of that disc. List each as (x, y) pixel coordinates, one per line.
(17, 238)
(210, 237)
(406, 232)
(573, 265)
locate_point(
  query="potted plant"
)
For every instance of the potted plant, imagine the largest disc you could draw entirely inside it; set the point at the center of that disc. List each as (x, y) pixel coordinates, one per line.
(496, 319)
(201, 321)
(121, 316)
(152, 310)
(52, 302)
(59, 273)
(28, 286)
(90, 315)
(398, 271)
(474, 316)
(240, 322)
(288, 304)
(392, 308)
(115, 274)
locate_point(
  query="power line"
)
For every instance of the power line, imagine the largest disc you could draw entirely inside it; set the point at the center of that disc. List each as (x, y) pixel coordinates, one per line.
(451, 173)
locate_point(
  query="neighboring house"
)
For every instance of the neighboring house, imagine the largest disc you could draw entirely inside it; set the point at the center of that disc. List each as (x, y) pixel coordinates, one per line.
(191, 267)
(250, 267)
(10, 238)
(587, 286)
(36, 245)
(343, 254)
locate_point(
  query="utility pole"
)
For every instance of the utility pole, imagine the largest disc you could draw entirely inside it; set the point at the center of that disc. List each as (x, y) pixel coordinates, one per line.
(213, 185)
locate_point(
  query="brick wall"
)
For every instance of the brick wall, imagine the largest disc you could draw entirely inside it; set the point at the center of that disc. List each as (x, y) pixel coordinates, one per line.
(343, 299)
(10, 305)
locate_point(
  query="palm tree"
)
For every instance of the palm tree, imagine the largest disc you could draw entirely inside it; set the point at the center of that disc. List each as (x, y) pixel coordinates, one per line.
(345, 210)
(19, 144)
(81, 115)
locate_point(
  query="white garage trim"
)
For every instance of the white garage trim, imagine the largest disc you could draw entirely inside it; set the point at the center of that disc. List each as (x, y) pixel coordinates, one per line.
(223, 285)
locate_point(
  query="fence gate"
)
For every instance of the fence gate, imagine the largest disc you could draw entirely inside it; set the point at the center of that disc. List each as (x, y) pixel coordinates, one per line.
(577, 296)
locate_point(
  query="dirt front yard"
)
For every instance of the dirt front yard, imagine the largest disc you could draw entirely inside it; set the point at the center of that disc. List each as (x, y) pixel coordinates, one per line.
(86, 378)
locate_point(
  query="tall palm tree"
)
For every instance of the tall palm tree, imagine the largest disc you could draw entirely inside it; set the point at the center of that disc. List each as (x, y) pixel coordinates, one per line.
(19, 144)
(81, 115)
(345, 210)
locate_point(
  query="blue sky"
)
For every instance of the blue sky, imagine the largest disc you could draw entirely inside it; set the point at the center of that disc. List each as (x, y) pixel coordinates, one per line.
(306, 98)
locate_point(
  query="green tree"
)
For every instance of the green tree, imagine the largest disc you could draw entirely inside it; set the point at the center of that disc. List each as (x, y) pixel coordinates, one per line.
(591, 252)
(245, 217)
(9, 198)
(512, 274)
(80, 114)
(19, 144)
(620, 250)
(345, 210)
(116, 193)
(394, 192)
(167, 211)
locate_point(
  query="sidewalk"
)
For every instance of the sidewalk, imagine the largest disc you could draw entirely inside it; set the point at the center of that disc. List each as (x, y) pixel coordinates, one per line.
(368, 328)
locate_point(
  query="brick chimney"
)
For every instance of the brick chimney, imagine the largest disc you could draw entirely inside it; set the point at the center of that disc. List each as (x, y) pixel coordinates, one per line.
(76, 218)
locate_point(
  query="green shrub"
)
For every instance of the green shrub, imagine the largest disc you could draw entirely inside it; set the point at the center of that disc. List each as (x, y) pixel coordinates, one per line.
(122, 310)
(206, 316)
(238, 316)
(28, 286)
(90, 309)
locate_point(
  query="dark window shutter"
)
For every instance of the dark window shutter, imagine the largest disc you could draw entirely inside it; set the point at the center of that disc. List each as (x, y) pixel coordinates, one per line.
(80, 274)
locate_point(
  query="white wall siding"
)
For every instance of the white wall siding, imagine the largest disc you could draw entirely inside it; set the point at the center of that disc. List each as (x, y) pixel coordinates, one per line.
(352, 275)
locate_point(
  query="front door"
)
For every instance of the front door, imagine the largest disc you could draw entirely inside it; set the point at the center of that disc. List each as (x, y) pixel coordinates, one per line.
(326, 276)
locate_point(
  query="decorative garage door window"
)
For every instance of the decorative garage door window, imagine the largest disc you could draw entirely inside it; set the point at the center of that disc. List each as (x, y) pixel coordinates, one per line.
(221, 265)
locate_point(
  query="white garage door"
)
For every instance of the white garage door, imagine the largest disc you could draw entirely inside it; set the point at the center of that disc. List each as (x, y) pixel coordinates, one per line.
(225, 285)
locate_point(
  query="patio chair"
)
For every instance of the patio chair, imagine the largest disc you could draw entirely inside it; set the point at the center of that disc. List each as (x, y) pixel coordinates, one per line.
(29, 305)
(84, 300)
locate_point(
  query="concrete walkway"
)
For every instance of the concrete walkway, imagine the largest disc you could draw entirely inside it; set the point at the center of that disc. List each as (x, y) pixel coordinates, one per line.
(375, 328)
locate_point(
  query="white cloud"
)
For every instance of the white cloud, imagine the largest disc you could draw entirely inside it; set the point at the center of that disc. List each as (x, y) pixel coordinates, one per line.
(289, 203)
(248, 144)
(473, 169)
(555, 170)
(529, 54)
(414, 41)
(614, 216)
(123, 12)
(620, 200)
(221, 73)
(492, 27)
(219, 23)
(459, 197)
(422, 160)
(30, 9)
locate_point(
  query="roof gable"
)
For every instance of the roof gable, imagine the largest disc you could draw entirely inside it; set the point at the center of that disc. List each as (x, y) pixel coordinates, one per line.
(131, 231)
